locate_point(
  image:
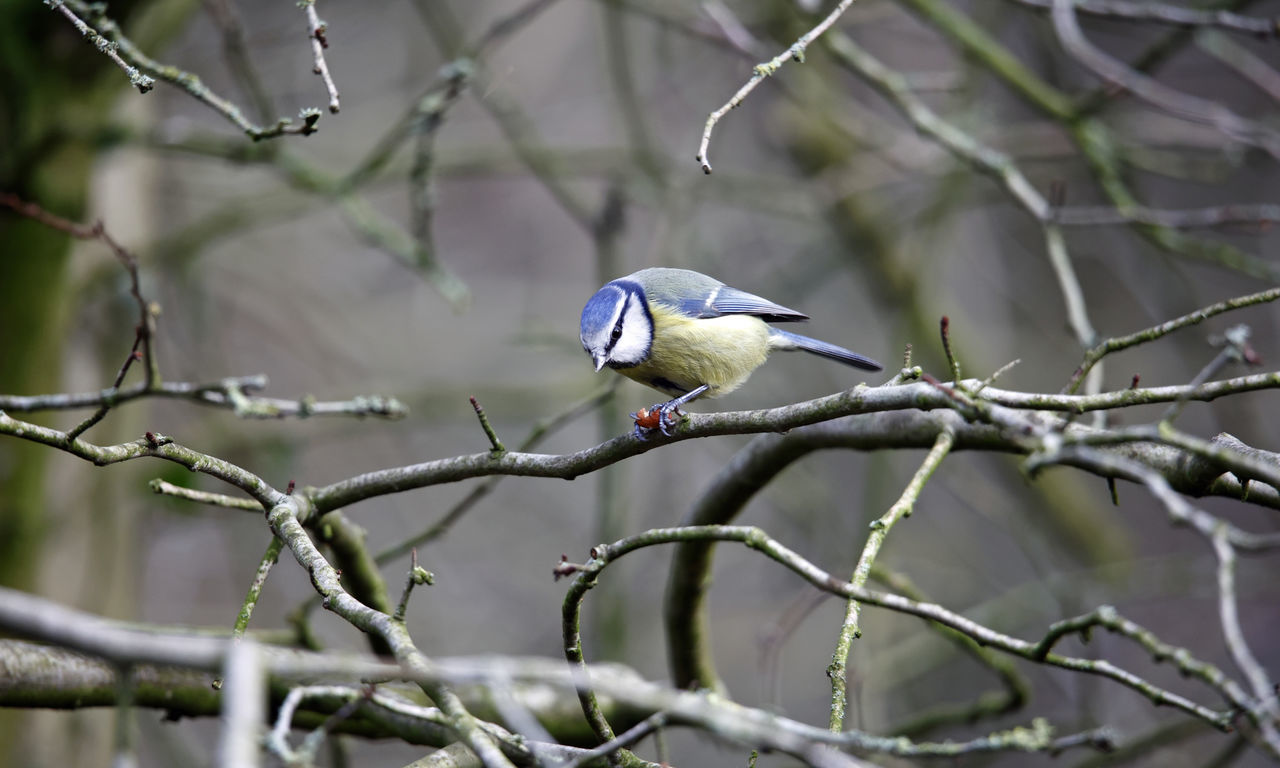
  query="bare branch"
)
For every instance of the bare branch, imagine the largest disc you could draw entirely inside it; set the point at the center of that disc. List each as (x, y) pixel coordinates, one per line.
(318, 32)
(760, 72)
(1154, 92)
(138, 80)
(95, 13)
(1116, 344)
(1169, 14)
(849, 629)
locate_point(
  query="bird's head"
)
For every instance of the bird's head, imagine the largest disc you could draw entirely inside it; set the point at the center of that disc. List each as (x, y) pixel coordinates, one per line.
(617, 327)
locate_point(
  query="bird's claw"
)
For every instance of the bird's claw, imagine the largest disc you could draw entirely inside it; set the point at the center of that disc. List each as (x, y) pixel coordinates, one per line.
(660, 417)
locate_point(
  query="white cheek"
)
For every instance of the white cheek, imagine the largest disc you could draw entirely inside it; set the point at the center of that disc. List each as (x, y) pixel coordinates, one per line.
(637, 334)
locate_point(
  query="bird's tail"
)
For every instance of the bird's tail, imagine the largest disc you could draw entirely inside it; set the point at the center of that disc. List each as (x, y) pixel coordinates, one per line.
(779, 339)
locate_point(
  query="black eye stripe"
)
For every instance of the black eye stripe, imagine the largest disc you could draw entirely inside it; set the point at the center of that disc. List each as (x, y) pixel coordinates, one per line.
(617, 327)
(615, 336)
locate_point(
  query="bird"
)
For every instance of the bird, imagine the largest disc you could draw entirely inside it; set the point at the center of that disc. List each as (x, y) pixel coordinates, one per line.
(689, 335)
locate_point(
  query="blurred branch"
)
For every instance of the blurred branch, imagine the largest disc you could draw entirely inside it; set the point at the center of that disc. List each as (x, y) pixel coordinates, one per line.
(1161, 736)
(1014, 692)
(1259, 215)
(50, 676)
(225, 14)
(450, 81)
(1251, 66)
(425, 126)
(508, 25)
(243, 706)
(976, 41)
(364, 220)
(1192, 108)
(1169, 14)
(95, 16)
(123, 642)
(380, 232)
(1096, 141)
(515, 125)
(986, 160)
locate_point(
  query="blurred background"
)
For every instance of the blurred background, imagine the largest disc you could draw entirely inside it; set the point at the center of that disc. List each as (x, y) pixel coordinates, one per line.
(566, 160)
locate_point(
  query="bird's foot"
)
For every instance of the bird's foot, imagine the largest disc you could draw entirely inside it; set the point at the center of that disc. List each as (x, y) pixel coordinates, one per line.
(658, 417)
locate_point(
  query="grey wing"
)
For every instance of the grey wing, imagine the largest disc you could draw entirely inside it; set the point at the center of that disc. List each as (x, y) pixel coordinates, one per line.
(698, 295)
(731, 301)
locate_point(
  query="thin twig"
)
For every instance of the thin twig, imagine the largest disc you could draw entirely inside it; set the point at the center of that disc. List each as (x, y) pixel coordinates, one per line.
(268, 561)
(416, 577)
(495, 445)
(1264, 690)
(540, 431)
(318, 32)
(623, 740)
(187, 81)
(138, 80)
(98, 415)
(165, 488)
(760, 72)
(1116, 344)
(850, 629)
(1237, 339)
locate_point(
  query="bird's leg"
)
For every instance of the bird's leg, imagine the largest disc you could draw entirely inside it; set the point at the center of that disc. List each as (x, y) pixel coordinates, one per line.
(662, 412)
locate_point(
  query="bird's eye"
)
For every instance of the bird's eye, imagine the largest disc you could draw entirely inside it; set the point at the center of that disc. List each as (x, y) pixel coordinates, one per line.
(617, 332)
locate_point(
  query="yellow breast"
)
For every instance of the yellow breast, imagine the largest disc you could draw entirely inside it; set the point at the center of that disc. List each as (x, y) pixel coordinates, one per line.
(720, 352)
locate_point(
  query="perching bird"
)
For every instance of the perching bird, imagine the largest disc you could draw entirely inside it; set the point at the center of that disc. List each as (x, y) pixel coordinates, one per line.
(689, 335)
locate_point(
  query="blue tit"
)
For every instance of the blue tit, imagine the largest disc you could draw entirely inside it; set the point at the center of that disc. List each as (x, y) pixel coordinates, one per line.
(689, 335)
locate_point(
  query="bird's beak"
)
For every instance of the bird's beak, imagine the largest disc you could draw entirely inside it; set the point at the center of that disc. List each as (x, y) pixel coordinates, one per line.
(600, 359)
